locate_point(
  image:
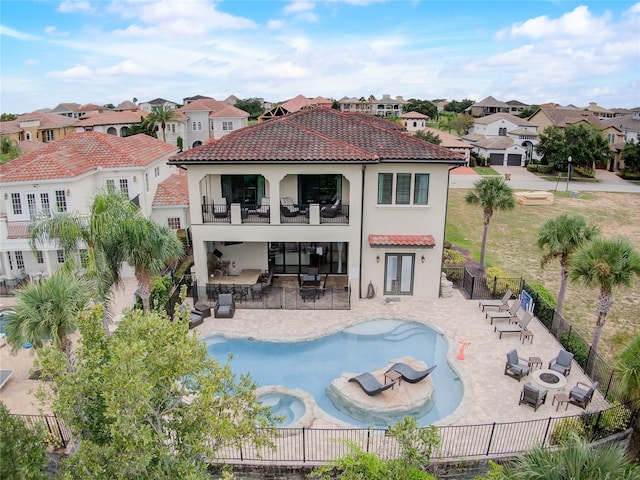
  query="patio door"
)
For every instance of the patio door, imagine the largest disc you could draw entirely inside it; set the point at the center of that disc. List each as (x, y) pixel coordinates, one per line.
(398, 273)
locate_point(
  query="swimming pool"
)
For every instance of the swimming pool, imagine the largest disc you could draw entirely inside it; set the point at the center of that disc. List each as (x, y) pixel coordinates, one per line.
(312, 365)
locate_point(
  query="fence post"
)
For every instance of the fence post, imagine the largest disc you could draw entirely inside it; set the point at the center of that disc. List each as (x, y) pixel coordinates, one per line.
(368, 438)
(606, 392)
(546, 431)
(596, 427)
(473, 286)
(304, 445)
(64, 442)
(493, 427)
(495, 286)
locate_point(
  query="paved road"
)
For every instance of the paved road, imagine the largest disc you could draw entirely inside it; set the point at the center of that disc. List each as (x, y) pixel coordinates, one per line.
(521, 179)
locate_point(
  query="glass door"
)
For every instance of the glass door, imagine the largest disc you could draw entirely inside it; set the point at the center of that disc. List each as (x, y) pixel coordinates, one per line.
(398, 274)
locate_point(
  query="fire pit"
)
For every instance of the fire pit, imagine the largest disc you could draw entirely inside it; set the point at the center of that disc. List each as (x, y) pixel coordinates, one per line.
(549, 380)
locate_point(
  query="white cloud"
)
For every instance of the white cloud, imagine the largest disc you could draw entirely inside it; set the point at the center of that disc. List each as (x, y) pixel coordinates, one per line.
(299, 6)
(71, 6)
(124, 68)
(75, 74)
(275, 24)
(10, 32)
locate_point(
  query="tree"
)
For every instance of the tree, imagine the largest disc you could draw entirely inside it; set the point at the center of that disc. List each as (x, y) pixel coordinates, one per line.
(142, 127)
(583, 142)
(253, 106)
(47, 309)
(558, 238)
(109, 105)
(577, 460)
(335, 105)
(149, 402)
(23, 450)
(8, 150)
(424, 107)
(150, 248)
(551, 146)
(462, 123)
(628, 370)
(179, 144)
(445, 120)
(458, 106)
(7, 117)
(527, 112)
(630, 155)
(428, 137)
(491, 193)
(160, 115)
(604, 264)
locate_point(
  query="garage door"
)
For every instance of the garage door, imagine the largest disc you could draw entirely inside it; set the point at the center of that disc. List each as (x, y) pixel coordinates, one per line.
(496, 158)
(514, 159)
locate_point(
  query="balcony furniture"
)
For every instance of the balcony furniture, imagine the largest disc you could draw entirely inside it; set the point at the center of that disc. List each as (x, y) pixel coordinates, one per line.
(288, 208)
(220, 208)
(331, 211)
(264, 208)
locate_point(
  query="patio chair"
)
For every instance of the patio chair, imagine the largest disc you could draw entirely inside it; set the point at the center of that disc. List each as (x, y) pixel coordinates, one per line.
(220, 208)
(370, 384)
(562, 363)
(409, 373)
(264, 208)
(582, 394)
(225, 306)
(532, 396)
(516, 367)
(502, 304)
(502, 315)
(514, 327)
(308, 293)
(288, 208)
(330, 211)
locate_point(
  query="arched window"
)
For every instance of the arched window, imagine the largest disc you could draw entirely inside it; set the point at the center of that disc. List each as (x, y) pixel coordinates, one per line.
(197, 143)
(112, 131)
(199, 125)
(123, 131)
(415, 124)
(502, 132)
(28, 136)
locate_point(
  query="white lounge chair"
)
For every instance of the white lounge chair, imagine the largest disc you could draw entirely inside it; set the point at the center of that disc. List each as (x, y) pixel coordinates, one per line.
(514, 327)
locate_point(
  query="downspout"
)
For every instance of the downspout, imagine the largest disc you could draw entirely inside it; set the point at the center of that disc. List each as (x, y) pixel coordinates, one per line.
(364, 168)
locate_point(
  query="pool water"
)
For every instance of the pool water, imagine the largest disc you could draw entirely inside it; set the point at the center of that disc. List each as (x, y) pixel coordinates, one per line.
(287, 407)
(313, 365)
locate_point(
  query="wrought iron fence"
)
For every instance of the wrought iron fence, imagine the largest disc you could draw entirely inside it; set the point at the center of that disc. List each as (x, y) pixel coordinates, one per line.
(58, 434)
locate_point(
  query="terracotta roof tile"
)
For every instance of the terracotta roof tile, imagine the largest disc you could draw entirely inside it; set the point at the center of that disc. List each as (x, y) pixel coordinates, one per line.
(402, 241)
(112, 118)
(318, 135)
(215, 108)
(47, 120)
(174, 191)
(83, 152)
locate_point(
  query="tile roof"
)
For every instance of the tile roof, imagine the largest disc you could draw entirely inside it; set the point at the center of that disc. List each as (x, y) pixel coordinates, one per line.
(414, 115)
(318, 135)
(126, 105)
(448, 139)
(214, 107)
(83, 152)
(10, 126)
(495, 143)
(567, 116)
(503, 116)
(112, 118)
(47, 120)
(174, 191)
(401, 241)
(490, 102)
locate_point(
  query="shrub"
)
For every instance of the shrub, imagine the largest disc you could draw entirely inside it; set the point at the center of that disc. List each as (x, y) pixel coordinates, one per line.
(545, 168)
(160, 291)
(545, 302)
(499, 280)
(613, 420)
(532, 167)
(453, 258)
(565, 427)
(586, 171)
(576, 345)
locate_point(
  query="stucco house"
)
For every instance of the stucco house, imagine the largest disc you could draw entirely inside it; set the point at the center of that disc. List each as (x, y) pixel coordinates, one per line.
(38, 127)
(63, 176)
(157, 102)
(414, 121)
(488, 106)
(504, 139)
(350, 195)
(561, 117)
(627, 128)
(170, 206)
(452, 142)
(112, 123)
(382, 107)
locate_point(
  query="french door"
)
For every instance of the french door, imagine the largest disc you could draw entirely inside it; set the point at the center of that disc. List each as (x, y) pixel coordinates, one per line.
(398, 273)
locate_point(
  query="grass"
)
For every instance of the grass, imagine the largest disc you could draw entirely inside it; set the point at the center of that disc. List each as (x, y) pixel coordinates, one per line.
(485, 171)
(511, 246)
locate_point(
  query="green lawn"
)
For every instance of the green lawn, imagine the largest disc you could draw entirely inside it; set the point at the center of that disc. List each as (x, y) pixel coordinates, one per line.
(485, 171)
(511, 246)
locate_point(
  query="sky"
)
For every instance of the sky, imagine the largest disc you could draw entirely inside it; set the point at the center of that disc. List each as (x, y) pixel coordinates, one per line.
(106, 51)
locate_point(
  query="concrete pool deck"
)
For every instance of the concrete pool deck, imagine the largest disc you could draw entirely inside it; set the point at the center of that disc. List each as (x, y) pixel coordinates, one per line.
(490, 396)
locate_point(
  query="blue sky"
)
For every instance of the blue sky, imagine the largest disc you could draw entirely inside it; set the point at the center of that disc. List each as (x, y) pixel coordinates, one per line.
(109, 51)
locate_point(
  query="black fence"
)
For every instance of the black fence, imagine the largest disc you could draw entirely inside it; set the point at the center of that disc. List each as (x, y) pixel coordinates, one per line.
(58, 434)
(457, 441)
(274, 297)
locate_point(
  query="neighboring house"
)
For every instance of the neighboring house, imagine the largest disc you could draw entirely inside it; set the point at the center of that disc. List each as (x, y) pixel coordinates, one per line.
(414, 121)
(599, 111)
(515, 107)
(112, 123)
(293, 105)
(188, 100)
(90, 108)
(451, 142)
(351, 195)
(561, 117)
(38, 127)
(170, 205)
(621, 130)
(231, 100)
(202, 120)
(126, 105)
(488, 106)
(440, 105)
(383, 107)
(67, 109)
(512, 131)
(63, 176)
(156, 102)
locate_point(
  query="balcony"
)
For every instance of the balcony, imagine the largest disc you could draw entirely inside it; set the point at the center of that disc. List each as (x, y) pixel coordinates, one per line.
(290, 214)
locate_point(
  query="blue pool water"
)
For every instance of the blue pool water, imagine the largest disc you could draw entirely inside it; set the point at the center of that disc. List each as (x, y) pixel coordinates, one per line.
(312, 365)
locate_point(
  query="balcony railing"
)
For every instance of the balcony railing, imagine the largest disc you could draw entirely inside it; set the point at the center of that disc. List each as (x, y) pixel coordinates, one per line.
(302, 214)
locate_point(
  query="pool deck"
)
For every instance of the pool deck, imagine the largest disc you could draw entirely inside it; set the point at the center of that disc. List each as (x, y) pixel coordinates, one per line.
(490, 396)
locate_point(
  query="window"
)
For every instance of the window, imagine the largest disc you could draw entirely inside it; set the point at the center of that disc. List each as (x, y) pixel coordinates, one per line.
(211, 125)
(28, 136)
(403, 188)
(199, 125)
(111, 185)
(421, 189)
(398, 274)
(611, 137)
(39, 257)
(502, 132)
(326, 188)
(10, 261)
(173, 128)
(44, 201)
(193, 126)
(244, 189)
(16, 203)
(227, 126)
(48, 135)
(385, 188)
(146, 182)
(19, 260)
(124, 186)
(31, 204)
(156, 171)
(61, 201)
(60, 254)
(174, 223)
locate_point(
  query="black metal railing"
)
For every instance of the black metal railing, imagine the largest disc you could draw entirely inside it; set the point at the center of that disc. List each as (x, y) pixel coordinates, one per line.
(253, 214)
(215, 213)
(58, 434)
(337, 216)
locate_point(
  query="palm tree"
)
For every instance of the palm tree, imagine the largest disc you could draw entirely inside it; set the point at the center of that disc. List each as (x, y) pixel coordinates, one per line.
(151, 247)
(605, 264)
(628, 369)
(160, 115)
(48, 309)
(491, 193)
(558, 238)
(578, 460)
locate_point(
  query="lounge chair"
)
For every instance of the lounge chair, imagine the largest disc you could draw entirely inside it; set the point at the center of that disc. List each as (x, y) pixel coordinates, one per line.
(516, 367)
(409, 373)
(225, 306)
(502, 315)
(288, 208)
(370, 384)
(5, 375)
(502, 304)
(514, 327)
(220, 208)
(264, 208)
(330, 211)
(532, 396)
(582, 394)
(562, 363)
